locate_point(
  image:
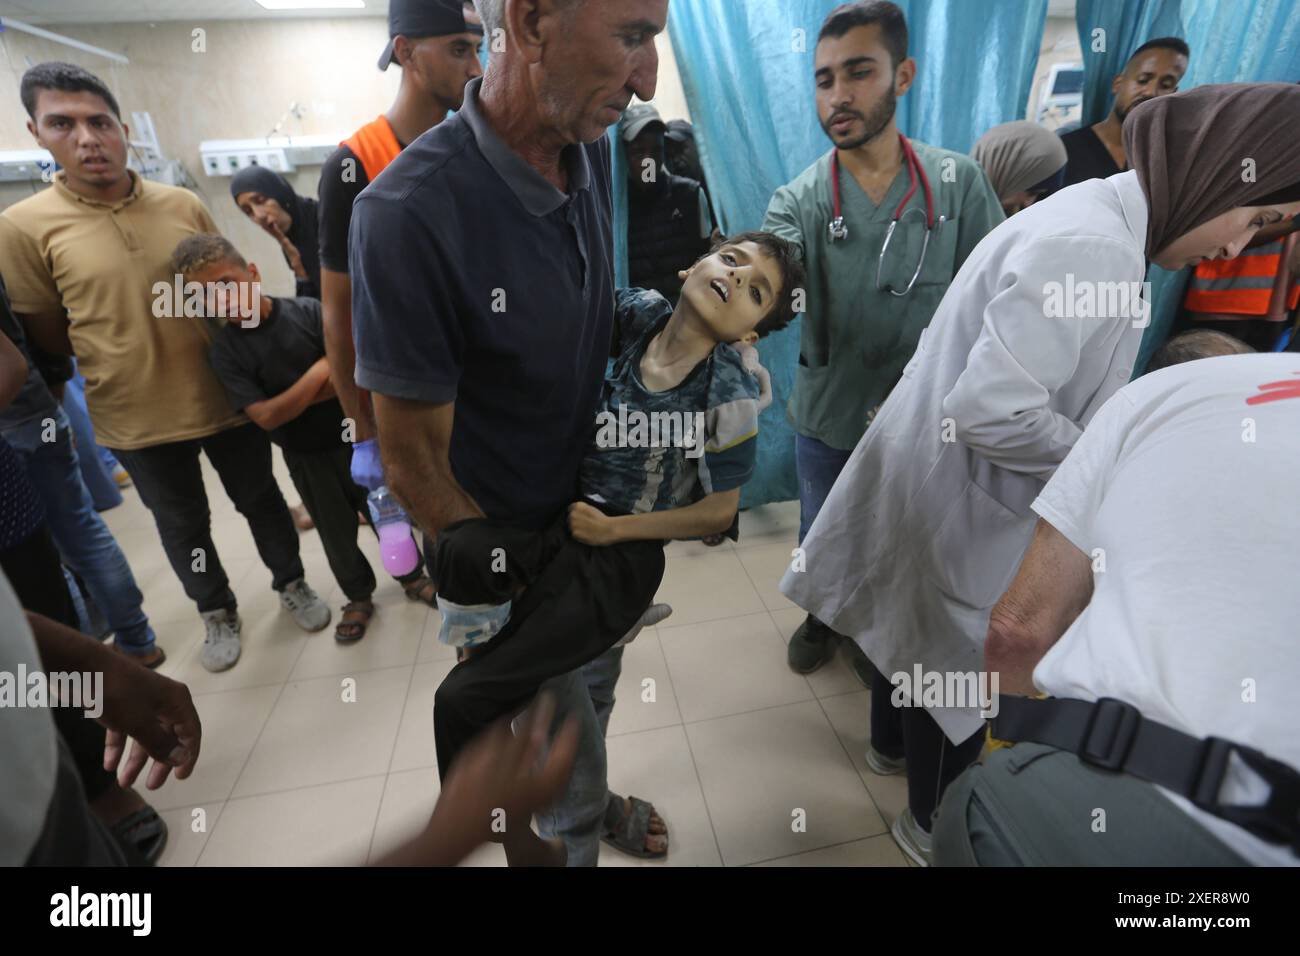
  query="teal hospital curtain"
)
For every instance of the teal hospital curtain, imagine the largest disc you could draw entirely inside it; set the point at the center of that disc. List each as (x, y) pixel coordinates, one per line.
(1109, 32)
(747, 70)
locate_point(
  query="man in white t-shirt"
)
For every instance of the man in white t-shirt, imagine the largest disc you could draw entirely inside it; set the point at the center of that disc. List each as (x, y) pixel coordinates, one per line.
(1162, 575)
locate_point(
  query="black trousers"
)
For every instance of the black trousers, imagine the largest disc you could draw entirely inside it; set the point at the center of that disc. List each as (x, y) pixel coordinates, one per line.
(332, 498)
(33, 569)
(933, 761)
(577, 602)
(324, 480)
(170, 482)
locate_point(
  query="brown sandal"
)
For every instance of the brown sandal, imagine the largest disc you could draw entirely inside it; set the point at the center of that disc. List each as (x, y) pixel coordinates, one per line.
(356, 618)
(422, 589)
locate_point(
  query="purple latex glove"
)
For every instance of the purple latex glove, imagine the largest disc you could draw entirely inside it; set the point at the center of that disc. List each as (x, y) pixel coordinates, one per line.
(367, 469)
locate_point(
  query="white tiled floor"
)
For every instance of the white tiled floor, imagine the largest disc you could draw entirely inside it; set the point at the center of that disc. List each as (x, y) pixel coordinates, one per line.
(748, 762)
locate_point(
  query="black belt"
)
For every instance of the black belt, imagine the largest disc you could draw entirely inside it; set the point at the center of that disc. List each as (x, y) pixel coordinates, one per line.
(1113, 735)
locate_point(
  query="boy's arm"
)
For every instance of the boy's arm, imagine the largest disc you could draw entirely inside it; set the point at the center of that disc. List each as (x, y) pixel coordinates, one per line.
(293, 401)
(712, 514)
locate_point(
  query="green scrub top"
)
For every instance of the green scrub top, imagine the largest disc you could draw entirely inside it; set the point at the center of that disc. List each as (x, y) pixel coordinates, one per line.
(856, 340)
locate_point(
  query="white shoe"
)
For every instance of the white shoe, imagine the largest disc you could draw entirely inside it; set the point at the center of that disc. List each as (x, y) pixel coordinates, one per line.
(309, 612)
(911, 839)
(221, 646)
(652, 616)
(883, 766)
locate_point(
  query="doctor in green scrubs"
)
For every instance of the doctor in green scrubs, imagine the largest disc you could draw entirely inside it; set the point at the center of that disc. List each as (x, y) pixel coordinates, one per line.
(864, 313)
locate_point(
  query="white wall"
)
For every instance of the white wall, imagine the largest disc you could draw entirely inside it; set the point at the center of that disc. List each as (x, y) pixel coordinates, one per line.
(239, 87)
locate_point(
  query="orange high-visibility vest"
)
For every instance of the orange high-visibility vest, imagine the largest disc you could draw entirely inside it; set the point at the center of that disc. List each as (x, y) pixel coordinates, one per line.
(375, 144)
(1242, 285)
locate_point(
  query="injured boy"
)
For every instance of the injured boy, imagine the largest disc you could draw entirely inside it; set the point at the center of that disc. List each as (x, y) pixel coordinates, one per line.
(674, 443)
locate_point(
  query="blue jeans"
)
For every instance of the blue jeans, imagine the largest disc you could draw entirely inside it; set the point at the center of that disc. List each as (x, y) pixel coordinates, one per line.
(97, 464)
(86, 544)
(588, 694)
(817, 465)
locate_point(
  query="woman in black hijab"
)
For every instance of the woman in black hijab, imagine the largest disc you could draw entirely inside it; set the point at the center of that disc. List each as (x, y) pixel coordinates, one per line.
(266, 197)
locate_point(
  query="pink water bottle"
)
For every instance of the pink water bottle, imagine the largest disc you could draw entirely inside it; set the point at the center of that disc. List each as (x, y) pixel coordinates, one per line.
(396, 545)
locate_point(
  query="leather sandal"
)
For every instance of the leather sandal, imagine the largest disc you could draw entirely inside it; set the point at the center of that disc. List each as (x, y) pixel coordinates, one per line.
(356, 618)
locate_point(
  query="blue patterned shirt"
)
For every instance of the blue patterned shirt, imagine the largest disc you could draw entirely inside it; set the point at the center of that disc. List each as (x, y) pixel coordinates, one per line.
(655, 451)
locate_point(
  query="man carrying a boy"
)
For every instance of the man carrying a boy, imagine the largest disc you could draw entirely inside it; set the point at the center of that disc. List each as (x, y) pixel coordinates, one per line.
(676, 440)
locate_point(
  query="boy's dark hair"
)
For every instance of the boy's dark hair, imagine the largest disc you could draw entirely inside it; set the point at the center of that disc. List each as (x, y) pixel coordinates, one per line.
(200, 250)
(66, 77)
(1161, 43)
(788, 265)
(864, 13)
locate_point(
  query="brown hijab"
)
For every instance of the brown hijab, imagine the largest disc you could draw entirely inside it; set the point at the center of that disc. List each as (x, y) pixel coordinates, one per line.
(1190, 151)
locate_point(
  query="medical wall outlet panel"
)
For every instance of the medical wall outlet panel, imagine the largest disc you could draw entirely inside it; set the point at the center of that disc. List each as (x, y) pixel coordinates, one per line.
(225, 157)
(25, 165)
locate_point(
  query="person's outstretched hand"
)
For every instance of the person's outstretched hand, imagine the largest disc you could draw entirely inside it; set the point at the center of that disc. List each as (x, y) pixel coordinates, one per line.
(500, 778)
(158, 716)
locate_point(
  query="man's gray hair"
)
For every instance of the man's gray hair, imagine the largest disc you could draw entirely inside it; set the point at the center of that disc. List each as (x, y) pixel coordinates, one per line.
(493, 14)
(1196, 344)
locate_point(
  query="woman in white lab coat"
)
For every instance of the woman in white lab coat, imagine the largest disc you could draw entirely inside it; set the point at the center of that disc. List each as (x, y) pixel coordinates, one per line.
(926, 525)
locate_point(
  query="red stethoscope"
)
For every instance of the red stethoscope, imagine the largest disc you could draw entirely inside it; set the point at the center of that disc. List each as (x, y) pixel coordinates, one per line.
(915, 171)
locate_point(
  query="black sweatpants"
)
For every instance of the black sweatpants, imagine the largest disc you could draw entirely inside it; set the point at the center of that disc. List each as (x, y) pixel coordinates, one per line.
(333, 499)
(33, 569)
(170, 481)
(578, 601)
(933, 761)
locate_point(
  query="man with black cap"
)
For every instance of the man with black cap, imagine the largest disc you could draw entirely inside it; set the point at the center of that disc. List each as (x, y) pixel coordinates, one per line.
(436, 43)
(668, 216)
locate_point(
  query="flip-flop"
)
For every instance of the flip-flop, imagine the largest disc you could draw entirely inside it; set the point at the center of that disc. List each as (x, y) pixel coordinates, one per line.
(627, 832)
(143, 831)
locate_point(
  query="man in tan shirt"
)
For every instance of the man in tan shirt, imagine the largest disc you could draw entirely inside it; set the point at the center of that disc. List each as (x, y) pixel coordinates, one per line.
(87, 266)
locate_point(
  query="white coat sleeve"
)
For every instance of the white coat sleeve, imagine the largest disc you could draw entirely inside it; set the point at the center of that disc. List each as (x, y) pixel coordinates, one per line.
(1026, 351)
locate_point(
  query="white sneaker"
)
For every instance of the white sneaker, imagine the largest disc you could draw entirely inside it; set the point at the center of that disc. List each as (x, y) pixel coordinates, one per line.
(221, 644)
(309, 612)
(652, 616)
(911, 839)
(883, 766)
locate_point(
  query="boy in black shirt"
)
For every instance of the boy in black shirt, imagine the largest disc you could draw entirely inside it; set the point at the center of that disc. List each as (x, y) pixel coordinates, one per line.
(272, 365)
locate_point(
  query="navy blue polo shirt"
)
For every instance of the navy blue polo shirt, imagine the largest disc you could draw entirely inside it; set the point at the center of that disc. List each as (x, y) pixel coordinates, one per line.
(476, 281)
